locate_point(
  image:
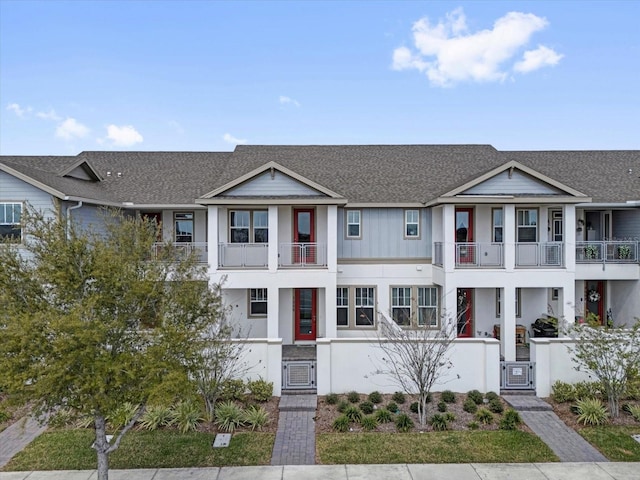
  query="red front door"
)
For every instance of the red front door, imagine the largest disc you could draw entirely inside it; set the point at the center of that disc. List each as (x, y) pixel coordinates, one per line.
(464, 312)
(304, 236)
(305, 313)
(465, 250)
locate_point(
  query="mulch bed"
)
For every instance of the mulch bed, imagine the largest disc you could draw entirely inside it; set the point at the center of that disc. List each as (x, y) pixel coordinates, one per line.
(563, 410)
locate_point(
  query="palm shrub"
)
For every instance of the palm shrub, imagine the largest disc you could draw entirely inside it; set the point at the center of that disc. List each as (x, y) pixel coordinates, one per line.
(255, 417)
(366, 407)
(375, 397)
(353, 413)
(60, 418)
(450, 416)
(476, 396)
(186, 416)
(510, 420)
(484, 416)
(122, 415)
(404, 423)
(439, 422)
(398, 397)
(470, 406)
(383, 415)
(353, 397)
(341, 424)
(473, 425)
(591, 411)
(261, 390)
(634, 410)
(448, 396)
(369, 422)
(229, 416)
(156, 416)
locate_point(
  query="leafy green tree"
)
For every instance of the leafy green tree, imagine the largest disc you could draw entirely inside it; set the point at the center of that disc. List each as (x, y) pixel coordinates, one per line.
(612, 355)
(91, 319)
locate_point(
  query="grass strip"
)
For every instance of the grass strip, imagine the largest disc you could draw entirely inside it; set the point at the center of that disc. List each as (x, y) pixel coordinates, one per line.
(615, 442)
(433, 447)
(71, 450)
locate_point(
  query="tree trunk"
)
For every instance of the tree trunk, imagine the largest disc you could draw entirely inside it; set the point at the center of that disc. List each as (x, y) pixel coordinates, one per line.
(101, 445)
(422, 407)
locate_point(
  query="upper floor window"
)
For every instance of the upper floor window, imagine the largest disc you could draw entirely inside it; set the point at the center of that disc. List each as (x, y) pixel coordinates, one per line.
(249, 226)
(183, 222)
(498, 224)
(354, 225)
(10, 227)
(257, 302)
(527, 225)
(412, 223)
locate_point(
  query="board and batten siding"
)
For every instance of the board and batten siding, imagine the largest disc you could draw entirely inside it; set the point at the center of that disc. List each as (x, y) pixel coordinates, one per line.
(517, 183)
(13, 189)
(267, 185)
(382, 235)
(626, 224)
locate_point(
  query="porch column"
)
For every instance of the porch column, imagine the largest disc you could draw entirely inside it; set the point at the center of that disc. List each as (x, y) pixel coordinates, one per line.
(330, 321)
(450, 305)
(509, 239)
(213, 237)
(508, 324)
(448, 240)
(273, 312)
(567, 306)
(569, 246)
(272, 254)
(332, 238)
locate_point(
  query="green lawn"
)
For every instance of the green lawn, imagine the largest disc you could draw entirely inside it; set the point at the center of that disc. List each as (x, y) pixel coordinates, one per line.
(71, 450)
(433, 447)
(615, 442)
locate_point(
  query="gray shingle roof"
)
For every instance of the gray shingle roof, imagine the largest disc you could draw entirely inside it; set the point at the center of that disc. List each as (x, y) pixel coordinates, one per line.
(361, 173)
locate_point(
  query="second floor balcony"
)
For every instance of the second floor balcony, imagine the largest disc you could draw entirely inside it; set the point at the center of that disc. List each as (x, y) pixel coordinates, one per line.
(492, 255)
(256, 255)
(607, 252)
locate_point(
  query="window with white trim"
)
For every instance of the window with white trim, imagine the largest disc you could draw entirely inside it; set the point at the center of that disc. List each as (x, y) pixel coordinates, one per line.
(183, 222)
(499, 302)
(354, 225)
(401, 305)
(248, 226)
(364, 304)
(428, 307)
(415, 306)
(412, 223)
(497, 215)
(257, 302)
(10, 226)
(342, 306)
(527, 225)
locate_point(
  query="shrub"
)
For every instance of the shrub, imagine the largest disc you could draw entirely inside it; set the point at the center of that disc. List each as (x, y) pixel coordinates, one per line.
(233, 389)
(4, 416)
(342, 406)
(375, 397)
(469, 406)
(122, 415)
(156, 416)
(383, 415)
(484, 416)
(341, 424)
(588, 390)
(261, 390)
(450, 416)
(510, 420)
(331, 399)
(60, 418)
(353, 413)
(439, 422)
(369, 422)
(591, 411)
(442, 407)
(353, 397)
(398, 397)
(366, 407)
(476, 396)
(562, 392)
(414, 407)
(404, 423)
(448, 396)
(634, 410)
(229, 416)
(473, 425)
(495, 406)
(186, 416)
(392, 407)
(491, 395)
(255, 417)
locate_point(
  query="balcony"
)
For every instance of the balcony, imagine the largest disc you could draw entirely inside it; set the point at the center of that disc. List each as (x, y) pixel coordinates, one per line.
(182, 250)
(540, 254)
(607, 252)
(300, 255)
(243, 255)
(479, 255)
(491, 255)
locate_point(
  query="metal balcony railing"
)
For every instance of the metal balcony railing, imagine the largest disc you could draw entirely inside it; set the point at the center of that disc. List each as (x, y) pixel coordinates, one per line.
(478, 255)
(540, 254)
(607, 251)
(243, 255)
(302, 255)
(183, 249)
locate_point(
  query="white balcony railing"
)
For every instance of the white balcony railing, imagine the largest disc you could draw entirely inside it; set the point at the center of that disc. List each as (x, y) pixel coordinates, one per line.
(243, 255)
(476, 255)
(199, 249)
(302, 255)
(607, 252)
(540, 254)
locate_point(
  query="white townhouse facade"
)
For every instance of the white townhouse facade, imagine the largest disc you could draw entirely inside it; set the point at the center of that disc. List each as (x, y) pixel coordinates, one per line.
(314, 245)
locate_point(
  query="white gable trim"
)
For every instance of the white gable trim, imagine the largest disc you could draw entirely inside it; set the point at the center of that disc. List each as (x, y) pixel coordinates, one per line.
(32, 182)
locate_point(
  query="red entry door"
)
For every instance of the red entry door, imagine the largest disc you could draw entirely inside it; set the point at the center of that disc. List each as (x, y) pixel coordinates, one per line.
(304, 236)
(465, 252)
(464, 312)
(305, 311)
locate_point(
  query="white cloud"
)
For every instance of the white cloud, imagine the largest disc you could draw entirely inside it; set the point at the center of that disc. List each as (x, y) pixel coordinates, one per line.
(538, 58)
(124, 136)
(70, 129)
(288, 101)
(448, 53)
(227, 137)
(18, 110)
(50, 115)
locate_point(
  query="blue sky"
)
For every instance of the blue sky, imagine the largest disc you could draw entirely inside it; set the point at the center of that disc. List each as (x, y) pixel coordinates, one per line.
(207, 75)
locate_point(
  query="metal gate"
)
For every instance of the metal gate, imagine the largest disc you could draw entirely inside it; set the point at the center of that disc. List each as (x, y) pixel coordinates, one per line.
(518, 376)
(298, 374)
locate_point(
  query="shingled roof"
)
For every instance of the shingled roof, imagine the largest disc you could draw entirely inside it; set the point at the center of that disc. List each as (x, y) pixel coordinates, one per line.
(363, 174)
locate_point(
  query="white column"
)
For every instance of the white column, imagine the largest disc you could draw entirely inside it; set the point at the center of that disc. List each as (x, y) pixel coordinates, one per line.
(448, 238)
(332, 238)
(213, 237)
(273, 312)
(569, 225)
(567, 305)
(273, 238)
(331, 328)
(508, 325)
(509, 237)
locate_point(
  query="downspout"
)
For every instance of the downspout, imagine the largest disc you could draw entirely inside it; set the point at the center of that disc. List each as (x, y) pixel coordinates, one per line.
(74, 207)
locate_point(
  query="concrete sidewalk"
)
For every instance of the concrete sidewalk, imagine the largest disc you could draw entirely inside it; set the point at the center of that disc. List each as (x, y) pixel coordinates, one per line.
(475, 471)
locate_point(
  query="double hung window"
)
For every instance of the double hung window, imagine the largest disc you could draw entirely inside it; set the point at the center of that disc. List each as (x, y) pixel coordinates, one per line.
(10, 226)
(249, 226)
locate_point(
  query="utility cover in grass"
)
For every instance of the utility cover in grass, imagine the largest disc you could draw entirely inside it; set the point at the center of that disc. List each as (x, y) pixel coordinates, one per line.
(636, 438)
(222, 440)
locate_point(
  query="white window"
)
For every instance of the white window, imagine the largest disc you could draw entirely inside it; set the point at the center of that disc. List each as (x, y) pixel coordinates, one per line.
(342, 304)
(257, 302)
(415, 306)
(498, 224)
(10, 227)
(401, 305)
(499, 302)
(412, 223)
(364, 304)
(354, 224)
(527, 225)
(249, 226)
(428, 306)
(183, 222)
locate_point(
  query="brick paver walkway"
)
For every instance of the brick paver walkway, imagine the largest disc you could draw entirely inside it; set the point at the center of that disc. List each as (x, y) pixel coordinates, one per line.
(296, 436)
(17, 436)
(565, 442)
